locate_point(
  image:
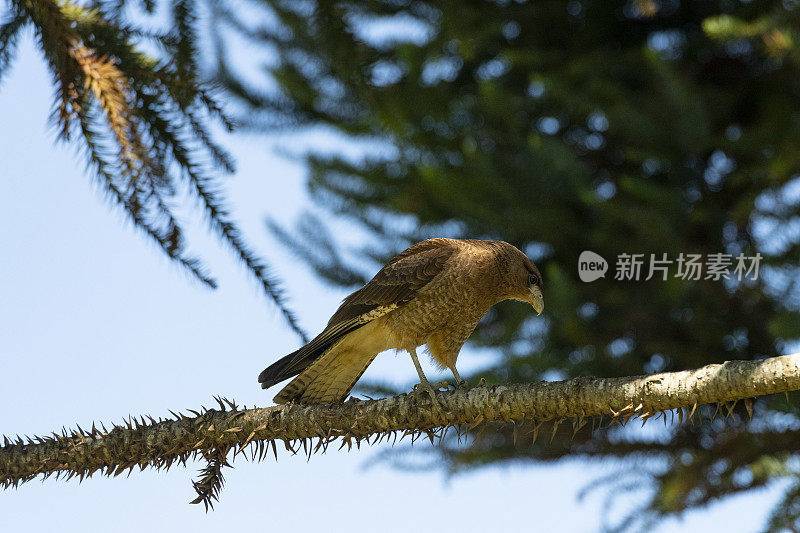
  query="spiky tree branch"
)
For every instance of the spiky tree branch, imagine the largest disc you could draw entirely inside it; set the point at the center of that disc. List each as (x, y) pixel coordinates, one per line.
(210, 434)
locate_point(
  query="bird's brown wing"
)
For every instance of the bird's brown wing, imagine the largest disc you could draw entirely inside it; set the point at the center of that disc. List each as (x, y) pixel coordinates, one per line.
(393, 286)
(396, 283)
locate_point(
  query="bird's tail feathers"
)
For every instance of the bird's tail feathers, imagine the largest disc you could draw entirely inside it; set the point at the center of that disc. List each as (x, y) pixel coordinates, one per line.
(327, 381)
(297, 361)
(284, 368)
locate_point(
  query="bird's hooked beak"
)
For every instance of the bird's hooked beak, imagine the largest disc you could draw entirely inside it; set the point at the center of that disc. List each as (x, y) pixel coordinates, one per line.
(536, 299)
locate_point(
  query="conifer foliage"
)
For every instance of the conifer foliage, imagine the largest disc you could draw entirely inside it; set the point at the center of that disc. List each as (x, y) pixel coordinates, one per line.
(142, 120)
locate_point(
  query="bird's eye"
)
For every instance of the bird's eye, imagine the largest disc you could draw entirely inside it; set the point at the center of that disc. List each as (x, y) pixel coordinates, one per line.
(533, 279)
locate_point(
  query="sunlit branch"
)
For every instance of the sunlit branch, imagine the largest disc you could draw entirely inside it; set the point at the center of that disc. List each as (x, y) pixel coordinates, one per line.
(211, 433)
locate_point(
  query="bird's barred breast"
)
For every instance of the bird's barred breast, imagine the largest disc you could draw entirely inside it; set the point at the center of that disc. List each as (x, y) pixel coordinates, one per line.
(451, 305)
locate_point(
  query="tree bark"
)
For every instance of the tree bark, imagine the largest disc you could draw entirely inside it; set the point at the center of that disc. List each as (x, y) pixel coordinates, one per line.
(212, 432)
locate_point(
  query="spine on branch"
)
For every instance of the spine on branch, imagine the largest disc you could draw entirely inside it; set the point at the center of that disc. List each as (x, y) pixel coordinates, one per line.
(211, 433)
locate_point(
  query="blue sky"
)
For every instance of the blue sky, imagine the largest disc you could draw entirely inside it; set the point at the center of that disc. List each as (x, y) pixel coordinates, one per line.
(96, 324)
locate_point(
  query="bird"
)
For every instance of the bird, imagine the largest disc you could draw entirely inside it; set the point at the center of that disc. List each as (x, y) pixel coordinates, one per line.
(433, 293)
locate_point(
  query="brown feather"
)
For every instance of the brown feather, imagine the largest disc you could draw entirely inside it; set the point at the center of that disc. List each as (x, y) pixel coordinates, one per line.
(330, 377)
(399, 281)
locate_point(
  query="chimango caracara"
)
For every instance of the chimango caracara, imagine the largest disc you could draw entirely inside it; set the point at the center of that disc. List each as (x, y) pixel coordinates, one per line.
(433, 293)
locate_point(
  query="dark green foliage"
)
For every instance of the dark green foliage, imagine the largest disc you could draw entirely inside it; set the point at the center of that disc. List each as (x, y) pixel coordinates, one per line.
(639, 127)
(143, 121)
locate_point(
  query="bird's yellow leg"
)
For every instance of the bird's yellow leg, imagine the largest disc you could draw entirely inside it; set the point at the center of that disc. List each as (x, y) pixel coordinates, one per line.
(459, 382)
(423, 381)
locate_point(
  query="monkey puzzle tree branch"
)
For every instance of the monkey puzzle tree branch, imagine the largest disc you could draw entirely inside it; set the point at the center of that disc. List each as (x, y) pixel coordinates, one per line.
(210, 434)
(144, 120)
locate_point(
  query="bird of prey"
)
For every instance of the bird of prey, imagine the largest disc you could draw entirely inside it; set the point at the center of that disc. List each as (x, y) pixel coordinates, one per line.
(433, 293)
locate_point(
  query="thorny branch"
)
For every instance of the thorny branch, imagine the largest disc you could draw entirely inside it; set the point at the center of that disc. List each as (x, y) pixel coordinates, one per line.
(212, 433)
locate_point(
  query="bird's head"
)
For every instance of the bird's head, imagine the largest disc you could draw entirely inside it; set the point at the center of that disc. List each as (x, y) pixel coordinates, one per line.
(522, 279)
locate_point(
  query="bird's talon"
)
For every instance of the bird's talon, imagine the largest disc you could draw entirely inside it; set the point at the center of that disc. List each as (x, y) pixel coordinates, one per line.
(450, 385)
(426, 388)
